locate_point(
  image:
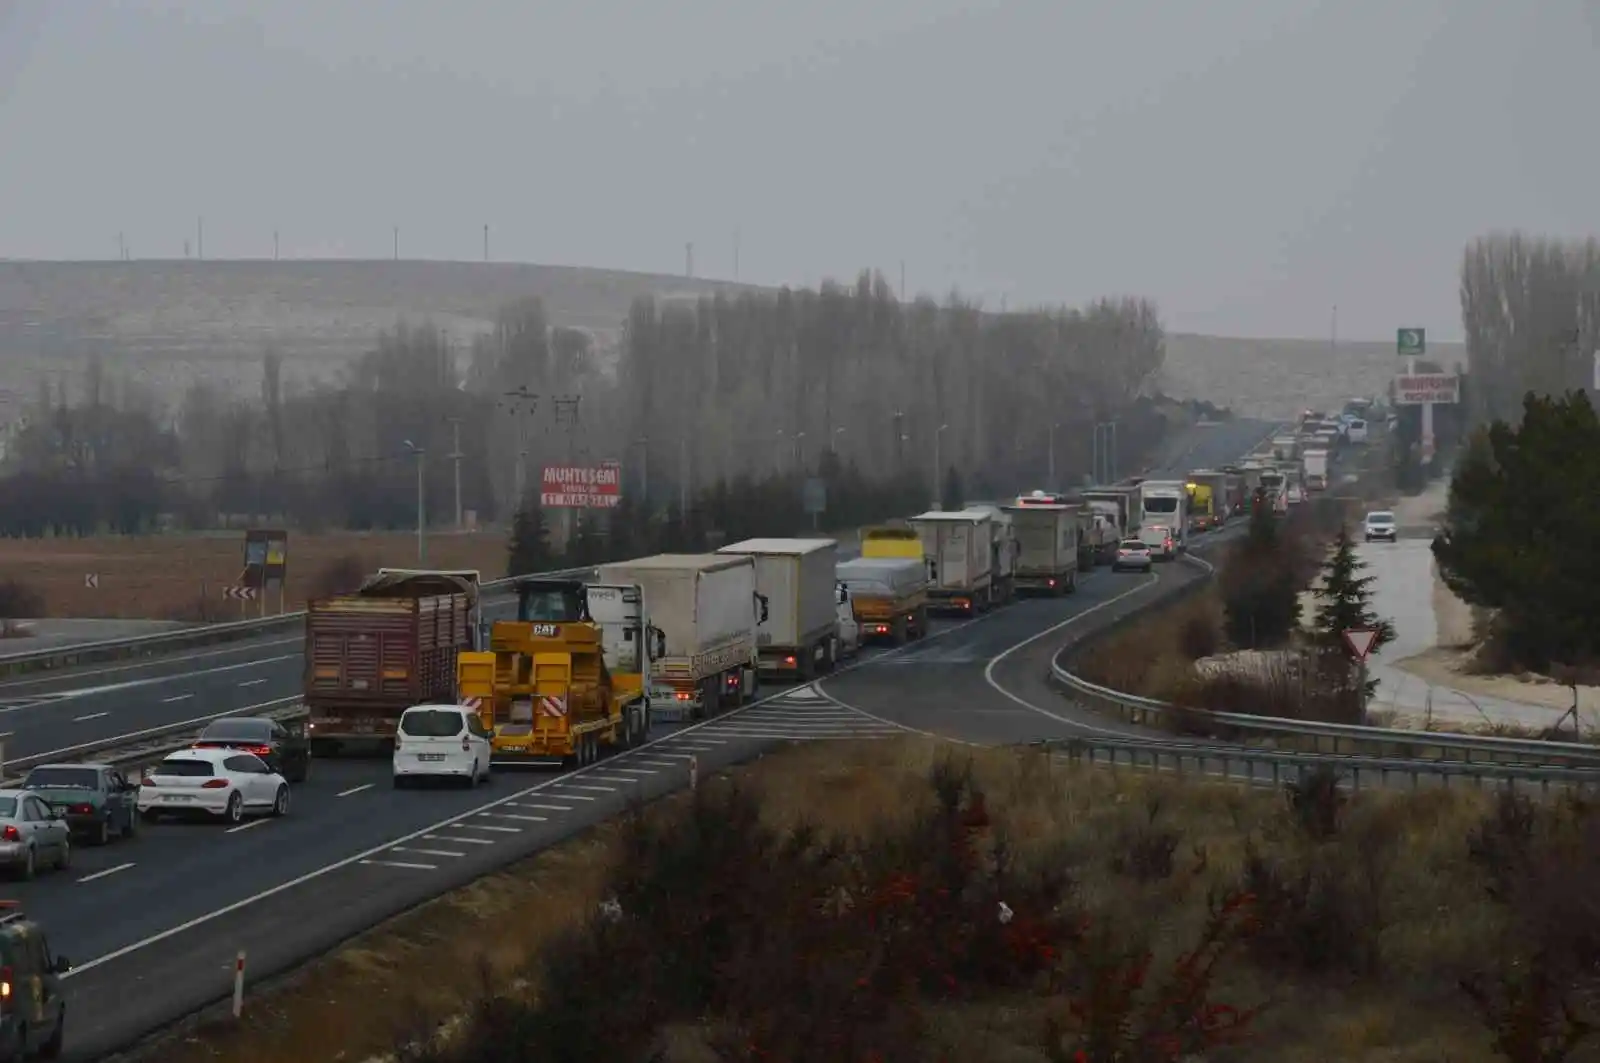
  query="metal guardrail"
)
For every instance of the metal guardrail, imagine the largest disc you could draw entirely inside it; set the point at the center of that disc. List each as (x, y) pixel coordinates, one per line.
(1264, 767)
(145, 747)
(202, 635)
(1308, 736)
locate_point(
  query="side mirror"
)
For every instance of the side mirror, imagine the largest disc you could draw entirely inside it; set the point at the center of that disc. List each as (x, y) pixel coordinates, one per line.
(62, 965)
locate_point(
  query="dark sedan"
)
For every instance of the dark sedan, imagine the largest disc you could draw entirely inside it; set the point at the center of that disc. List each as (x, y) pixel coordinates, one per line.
(286, 750)
(96, 800)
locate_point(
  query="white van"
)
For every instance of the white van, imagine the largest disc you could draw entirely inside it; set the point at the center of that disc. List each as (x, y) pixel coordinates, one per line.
(441, 741)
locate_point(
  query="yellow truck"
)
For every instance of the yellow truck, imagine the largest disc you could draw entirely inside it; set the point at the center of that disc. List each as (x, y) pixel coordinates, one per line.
(888, 596)
(565, 681)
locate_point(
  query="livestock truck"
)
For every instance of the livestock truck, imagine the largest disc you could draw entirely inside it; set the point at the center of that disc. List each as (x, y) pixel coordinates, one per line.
(709, 611)
(1049, 536)
(389, 645)
(959, 548)
(796, 577)
(889, 596)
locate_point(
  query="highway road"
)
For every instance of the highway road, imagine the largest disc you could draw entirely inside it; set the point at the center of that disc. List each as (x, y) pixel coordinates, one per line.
(154, 923)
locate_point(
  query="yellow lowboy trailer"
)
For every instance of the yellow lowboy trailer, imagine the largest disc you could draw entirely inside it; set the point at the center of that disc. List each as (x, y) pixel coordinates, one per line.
(564, 682)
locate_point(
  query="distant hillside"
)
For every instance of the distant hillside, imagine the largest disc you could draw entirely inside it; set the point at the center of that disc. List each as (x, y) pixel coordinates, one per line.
(1278, 378)
(175, 320)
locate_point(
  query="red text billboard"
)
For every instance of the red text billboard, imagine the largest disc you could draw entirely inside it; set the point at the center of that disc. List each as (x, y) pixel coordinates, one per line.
(581, 486)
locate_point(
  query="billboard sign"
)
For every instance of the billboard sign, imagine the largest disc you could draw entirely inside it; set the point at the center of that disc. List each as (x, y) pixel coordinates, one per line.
(581, 486)
(1419, 388)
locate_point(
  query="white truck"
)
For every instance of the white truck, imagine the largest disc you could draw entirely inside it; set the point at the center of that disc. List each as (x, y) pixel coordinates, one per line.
(959, 548)
(1003, 548)
(709, 613)
(1048, 536)
(1316, 469)
(1119, 506)
(796, 577)
(1165, 504)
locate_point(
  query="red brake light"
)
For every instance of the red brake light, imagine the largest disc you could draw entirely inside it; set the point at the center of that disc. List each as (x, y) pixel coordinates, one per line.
(81, 810)
(214, 784)
(11, 834)
(260, 751)
(788, 660)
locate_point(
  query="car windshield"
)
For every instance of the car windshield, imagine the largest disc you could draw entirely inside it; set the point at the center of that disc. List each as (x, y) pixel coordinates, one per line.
(62, 778)
(8, 807)
(238, 731)
(431, 723)
(192, 769)
(1380, 518)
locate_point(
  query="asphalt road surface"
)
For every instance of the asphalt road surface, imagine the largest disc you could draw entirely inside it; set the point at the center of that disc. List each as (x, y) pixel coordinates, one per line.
(1210, 446)
(154, 923)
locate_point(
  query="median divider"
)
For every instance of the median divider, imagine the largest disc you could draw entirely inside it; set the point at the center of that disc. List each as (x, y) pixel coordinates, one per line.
(1244, 730)
(200, 635)
(134, 751)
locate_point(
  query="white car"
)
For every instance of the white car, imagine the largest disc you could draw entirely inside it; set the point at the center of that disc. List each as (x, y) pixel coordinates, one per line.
(1381, 525)
(441, 741)
(226, 783)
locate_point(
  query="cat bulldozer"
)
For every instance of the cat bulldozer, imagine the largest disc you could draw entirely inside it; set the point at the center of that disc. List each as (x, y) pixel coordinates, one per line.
(567, 680)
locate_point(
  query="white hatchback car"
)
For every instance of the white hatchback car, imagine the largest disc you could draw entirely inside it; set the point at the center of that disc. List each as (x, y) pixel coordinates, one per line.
(226, 783)
(441, 741)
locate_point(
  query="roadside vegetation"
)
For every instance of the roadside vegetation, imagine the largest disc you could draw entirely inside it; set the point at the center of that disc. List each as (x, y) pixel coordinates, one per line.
(901, 901)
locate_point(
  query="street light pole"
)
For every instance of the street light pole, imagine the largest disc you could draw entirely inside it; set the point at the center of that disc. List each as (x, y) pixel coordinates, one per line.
(938, 465)
(422, 508)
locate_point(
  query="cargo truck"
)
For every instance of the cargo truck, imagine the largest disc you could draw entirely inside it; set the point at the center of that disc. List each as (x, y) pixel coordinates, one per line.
(389, 645)
(958, 545)
(1121, 505)
(1316, 470)
(1003, 548)
(1050, 537)
(889, 541)
(800, 637)
(888, 596)
(1165, 503)
(709, 612)
(564, 682)
(1209, 499)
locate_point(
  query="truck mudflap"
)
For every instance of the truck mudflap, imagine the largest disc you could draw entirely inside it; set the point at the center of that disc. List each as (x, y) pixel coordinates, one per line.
(958, 603)
(334, 734)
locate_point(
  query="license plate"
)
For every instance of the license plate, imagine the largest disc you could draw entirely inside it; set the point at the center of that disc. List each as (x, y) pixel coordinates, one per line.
(430, 756)
(176, 797)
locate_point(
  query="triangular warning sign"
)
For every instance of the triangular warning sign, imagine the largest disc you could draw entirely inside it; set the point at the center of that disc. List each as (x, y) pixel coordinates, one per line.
(1360, 640)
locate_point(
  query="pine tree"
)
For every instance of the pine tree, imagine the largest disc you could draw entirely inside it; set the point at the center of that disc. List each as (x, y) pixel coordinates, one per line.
(529, 550)
(1344, 603)
(951, 497)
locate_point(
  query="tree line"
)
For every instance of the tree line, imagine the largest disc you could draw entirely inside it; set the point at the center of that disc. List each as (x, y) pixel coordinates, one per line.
(720, 390)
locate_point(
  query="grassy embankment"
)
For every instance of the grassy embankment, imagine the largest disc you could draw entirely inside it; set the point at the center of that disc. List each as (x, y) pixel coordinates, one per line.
(837, 904)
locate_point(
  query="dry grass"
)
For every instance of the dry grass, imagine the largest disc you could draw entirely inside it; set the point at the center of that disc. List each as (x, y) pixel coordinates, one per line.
(181, 577)
(1404, 913)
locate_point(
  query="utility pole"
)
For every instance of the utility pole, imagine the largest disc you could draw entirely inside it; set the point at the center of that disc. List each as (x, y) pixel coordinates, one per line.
(683, 475)
(200, 239)
(456, 456)
(688, 259)
(122, 248)
(938, 470)
(397, 243)
(274, 245)
(522, 405)
(486, 243)
(422, 506)
(736, 253)
(902, 280)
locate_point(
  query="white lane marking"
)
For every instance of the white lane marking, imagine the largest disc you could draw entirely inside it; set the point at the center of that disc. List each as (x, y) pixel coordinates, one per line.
(397, 863)
(485, 826)
(354, 790)
(252, 682)
(543, 808)
(176, 697)
(452, 841)
(593, 789)
(513, 815)
(425, 852)
(429, 833)
(616, 778)
(636, 771)
(254, 823)
(1079, 725)
(107, 871)
(91, 716)
(656, 763)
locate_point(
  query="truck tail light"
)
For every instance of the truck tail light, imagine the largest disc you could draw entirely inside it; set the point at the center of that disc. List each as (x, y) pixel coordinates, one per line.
(790, 661)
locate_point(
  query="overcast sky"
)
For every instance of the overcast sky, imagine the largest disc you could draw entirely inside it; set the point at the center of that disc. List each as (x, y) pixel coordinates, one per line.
(1246, 163)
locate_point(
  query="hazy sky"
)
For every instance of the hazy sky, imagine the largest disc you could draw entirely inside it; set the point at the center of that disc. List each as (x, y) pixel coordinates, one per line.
(1247, 163)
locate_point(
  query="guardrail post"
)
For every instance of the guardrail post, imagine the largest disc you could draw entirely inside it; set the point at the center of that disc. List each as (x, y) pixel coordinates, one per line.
(238, 985)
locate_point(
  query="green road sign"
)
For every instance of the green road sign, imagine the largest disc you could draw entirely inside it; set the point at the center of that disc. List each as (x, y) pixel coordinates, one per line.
(1411, 342)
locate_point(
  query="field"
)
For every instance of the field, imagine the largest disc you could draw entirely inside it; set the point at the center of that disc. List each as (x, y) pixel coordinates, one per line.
(1157, 918)
(182, 577)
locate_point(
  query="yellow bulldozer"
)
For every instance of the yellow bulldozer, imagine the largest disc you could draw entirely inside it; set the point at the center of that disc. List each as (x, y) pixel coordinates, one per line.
(566, 681)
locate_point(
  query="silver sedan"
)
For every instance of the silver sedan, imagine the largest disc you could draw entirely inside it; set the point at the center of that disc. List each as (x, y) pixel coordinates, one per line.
(1132, 554)
(32, 834)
